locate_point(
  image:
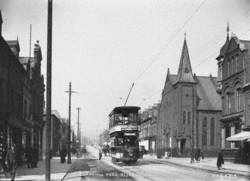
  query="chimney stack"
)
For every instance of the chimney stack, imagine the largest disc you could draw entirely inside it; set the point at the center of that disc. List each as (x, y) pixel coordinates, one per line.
(1, 22)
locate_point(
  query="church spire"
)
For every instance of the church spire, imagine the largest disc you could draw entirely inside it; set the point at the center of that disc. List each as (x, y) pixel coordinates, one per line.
(228, 29)
(185, 70)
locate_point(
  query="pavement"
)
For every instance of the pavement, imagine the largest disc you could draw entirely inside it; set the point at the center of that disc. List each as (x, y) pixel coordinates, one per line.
(207, 164)
(58, 171)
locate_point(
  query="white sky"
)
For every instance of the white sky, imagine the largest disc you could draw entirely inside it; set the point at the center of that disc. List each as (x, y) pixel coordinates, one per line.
(103, 46)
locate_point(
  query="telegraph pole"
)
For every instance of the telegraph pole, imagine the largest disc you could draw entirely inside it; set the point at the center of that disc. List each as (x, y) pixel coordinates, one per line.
(69, 126)
(48, 91)
(78, 127)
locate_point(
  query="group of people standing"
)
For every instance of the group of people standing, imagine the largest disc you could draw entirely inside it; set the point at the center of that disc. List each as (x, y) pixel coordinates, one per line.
(9, 162)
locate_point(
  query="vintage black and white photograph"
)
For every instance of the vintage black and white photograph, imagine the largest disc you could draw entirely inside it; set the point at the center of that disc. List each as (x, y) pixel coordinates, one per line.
(124, 90)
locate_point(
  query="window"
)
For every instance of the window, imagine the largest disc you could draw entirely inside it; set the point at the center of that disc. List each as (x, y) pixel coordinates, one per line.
(238, 100)
(228, 103)
(212, 127)
(236, 63)
(184, 117)
(204, 131)
(189, 117)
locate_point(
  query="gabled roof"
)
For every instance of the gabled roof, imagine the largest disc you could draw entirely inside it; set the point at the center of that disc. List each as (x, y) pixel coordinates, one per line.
(14, 43)
(56, 113)
(209, 99)
(185, 70)
(242, 44)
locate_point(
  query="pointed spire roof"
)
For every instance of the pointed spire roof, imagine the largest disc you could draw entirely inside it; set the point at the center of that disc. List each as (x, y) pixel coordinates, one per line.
(225, 46)
(185, 70)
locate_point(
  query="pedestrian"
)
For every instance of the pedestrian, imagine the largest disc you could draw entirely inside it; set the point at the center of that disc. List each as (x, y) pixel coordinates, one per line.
(191, 157)
(100, 153)
(28, 155)
(220, 160)
(202, 154)
(11, 160)
(63, 153)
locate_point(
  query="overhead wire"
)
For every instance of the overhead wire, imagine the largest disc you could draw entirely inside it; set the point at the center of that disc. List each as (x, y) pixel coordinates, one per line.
(204, 60)
(170, 41)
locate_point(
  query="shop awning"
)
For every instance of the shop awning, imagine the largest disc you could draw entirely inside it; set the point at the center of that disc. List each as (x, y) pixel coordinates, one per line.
(244, 135)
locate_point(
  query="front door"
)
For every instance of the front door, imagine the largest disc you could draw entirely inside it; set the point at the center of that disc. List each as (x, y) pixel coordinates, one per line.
(182, 148)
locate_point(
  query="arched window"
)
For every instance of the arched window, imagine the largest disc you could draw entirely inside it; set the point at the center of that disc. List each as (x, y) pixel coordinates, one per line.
(236, 63)
(204, 131)
(238, 100)
(212, 131)
(227, 103)
(184, 117)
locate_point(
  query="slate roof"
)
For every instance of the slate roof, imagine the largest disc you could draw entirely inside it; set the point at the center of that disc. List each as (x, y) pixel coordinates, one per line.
(206, 90)
(185, 70)
(209, 99)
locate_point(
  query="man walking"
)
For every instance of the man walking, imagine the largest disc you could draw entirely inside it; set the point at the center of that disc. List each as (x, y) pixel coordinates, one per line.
(220, 160)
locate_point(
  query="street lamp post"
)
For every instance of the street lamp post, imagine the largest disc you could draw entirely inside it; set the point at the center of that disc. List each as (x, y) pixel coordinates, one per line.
(69, 126)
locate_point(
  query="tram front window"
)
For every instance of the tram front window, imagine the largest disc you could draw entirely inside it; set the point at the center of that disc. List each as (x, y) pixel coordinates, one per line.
(125, 119)
(130, 141)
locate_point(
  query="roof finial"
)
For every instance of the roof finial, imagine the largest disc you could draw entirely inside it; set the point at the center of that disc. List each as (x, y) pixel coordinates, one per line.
(185, 35)
(228, 29)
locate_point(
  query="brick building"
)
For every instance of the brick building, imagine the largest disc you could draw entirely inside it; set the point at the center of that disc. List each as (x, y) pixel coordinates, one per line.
(189, 113)
(234, 88)
(17, 117)
(147, 135)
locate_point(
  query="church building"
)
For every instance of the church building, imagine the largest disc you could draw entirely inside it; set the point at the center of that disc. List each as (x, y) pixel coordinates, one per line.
(190, 112)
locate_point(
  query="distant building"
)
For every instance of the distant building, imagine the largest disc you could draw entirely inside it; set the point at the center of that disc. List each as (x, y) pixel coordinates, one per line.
(189, 113)
(148, 128)
(55, 134)
(234, 88)
(104, 137)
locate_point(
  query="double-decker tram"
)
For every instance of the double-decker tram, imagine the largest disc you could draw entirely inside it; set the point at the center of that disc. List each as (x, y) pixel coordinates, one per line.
(124, 133)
